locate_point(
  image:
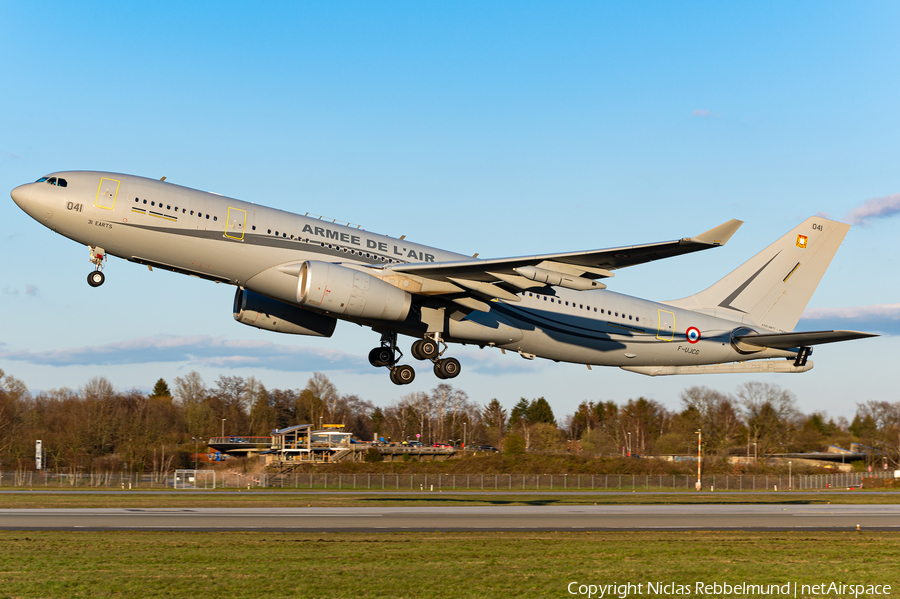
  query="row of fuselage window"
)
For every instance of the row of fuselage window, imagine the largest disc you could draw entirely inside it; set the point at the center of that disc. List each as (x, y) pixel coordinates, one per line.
(335, 246)
(183, 210)
(351, 251)
(585, 307)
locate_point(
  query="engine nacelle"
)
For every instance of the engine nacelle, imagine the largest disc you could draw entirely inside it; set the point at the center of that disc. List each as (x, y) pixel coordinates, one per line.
(342, 290)
(266, 313)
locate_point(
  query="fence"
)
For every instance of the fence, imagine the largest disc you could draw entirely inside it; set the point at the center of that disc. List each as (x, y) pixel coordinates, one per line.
(195, 479)
(445, 482)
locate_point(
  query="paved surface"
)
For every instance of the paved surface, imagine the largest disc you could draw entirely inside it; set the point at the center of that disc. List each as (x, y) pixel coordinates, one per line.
(453, 518)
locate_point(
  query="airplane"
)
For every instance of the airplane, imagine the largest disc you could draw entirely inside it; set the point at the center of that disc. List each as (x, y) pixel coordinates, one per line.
(300, 274)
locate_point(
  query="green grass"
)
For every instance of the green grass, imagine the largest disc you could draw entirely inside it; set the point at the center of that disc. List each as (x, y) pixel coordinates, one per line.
(444, 565)
(198, 499)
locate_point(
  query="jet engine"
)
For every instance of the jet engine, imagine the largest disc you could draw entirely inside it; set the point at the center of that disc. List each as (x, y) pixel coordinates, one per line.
(341, 290)
(264, 312)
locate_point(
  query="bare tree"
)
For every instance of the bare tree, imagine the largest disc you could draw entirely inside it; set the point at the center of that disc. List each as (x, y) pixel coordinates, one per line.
(191, 394)
(885, 435)
(770, 414)
(716, 415)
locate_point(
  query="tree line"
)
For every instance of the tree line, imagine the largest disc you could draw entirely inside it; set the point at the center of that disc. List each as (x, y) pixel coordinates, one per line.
(100, 428)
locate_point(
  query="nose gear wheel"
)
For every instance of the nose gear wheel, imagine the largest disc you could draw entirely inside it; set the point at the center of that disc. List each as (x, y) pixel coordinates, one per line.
(96, 278)
(98, 256)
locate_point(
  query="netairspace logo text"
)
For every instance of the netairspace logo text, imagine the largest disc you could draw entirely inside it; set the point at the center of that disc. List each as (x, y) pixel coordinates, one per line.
(788, 589)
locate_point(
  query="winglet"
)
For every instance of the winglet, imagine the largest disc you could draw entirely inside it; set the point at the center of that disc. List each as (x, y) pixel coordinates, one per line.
(721, 234)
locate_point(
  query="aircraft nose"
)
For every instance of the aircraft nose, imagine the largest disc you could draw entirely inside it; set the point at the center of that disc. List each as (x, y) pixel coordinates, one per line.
(21, 194)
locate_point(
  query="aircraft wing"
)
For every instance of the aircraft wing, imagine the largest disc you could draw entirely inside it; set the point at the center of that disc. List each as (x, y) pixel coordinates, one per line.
(792, 340)
(495, 278)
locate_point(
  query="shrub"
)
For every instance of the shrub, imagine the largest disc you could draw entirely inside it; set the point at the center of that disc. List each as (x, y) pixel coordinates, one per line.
(514, 444)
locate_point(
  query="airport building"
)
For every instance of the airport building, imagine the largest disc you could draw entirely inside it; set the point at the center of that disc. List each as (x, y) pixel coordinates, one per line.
(302, 444)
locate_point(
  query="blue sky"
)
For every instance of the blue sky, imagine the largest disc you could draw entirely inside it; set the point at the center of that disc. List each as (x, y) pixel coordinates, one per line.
(498, 128)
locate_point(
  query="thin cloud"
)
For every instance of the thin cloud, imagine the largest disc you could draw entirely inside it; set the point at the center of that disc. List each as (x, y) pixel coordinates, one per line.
(494, 362)
(877, 318)
(200, 350)
(217, 352)
(874, 208)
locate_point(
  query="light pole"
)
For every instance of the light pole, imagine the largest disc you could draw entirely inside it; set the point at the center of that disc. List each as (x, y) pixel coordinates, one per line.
(464, 435)
(699, 458)
(790, 477)
(196, 450)
(223, 426)
(629, 445)
(321, 418)
(755, 454)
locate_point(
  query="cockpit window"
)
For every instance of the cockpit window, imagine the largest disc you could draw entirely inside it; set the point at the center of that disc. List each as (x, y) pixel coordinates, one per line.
(53, 181)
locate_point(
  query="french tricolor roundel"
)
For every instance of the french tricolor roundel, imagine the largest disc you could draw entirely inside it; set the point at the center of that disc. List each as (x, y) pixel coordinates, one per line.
(693, 335)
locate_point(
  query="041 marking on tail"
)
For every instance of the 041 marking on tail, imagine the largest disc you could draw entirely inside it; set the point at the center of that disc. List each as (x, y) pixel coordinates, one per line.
(298, 274)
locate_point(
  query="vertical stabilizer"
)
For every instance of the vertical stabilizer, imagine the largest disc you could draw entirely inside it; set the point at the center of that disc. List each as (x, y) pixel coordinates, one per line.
(773, 288)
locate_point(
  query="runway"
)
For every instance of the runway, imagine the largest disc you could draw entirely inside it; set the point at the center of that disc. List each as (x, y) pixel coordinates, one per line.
(455, 518)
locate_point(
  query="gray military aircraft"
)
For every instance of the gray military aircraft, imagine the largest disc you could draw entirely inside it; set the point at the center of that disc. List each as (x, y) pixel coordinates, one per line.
(300, 274)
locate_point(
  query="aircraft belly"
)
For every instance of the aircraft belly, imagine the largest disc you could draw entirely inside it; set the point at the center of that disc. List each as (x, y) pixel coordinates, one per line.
(482, 327)
(605, 348)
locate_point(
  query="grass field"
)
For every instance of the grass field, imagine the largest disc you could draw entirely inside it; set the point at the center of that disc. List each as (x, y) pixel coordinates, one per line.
(442, 565)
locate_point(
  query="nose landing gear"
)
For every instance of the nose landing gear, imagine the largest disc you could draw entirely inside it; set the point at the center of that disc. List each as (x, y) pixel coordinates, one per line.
(98, 256)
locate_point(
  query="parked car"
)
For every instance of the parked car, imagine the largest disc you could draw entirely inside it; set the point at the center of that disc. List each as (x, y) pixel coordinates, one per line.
(486, 448)
(443, 445)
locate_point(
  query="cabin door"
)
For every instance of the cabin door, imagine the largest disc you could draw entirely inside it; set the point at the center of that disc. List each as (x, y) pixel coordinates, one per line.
(235, 221)
(666, 329)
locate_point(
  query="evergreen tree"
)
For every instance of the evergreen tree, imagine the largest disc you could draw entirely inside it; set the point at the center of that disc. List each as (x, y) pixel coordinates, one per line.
(161, 389)
(519, 413)
(540, 411)
(494, 415)
(378, 422)
(863, 427)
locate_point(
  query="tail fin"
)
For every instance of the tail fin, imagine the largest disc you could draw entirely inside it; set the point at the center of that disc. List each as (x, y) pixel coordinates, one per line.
(772, 288)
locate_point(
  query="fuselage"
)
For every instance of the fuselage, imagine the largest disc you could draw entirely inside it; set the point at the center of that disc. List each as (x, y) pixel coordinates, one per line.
(252, 246)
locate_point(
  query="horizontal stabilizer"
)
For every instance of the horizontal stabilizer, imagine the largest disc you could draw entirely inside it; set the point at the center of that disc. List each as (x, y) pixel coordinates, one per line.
(791, 340)
(732, 368)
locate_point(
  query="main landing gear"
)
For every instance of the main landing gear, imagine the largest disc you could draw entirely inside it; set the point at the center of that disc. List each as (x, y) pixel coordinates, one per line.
(427, 349)
(98, 255)
(388, 355)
